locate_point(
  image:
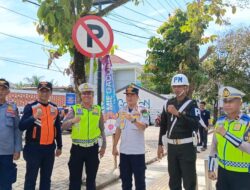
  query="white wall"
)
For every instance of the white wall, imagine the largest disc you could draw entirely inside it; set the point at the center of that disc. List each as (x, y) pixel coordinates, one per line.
(123, 78)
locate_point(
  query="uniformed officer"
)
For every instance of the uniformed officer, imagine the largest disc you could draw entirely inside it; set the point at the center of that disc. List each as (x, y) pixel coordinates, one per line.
(87, 125)
(231, 144)
(10, 138)
(42, 124)
(203, 129)
(130, 126)
(180, 120)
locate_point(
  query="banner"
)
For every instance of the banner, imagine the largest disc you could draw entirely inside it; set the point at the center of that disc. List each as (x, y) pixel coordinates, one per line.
(110, 103)
(70, 99)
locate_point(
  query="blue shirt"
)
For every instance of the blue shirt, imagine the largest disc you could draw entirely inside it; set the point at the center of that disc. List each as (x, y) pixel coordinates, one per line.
(205, 116)
(10, 135)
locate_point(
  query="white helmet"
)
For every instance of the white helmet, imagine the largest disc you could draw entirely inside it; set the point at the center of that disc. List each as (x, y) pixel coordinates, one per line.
(179, 79)
(85, 87)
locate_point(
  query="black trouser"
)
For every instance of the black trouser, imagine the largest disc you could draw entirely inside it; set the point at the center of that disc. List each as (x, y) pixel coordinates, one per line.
(38, 157)
(129, 165)
(203, 137)
(228, 180)
(8, 172)
(79, 156)
(181, 165)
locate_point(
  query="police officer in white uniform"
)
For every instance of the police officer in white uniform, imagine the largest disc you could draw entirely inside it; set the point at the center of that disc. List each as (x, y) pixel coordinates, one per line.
(131, 124)
(231, 144)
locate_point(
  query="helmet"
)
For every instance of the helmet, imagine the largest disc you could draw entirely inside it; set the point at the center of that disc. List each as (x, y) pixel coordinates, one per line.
(179, 79)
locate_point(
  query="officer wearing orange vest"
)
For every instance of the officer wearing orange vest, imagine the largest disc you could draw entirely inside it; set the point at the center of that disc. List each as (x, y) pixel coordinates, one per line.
(231, 144)
(42, 124)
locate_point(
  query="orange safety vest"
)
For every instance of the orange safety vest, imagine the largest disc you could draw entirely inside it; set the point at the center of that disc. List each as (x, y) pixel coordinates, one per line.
(44, 130)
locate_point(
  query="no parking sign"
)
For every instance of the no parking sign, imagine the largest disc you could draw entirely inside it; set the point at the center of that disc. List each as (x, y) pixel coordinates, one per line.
(92, 36)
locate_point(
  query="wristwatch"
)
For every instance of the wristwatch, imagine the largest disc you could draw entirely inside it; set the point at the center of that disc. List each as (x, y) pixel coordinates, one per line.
(133, 121)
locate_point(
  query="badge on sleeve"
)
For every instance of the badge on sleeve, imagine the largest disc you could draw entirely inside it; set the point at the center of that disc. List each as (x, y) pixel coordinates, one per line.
(144, 113)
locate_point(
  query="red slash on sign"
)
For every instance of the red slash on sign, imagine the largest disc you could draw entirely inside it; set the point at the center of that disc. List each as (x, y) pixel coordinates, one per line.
(92, 36)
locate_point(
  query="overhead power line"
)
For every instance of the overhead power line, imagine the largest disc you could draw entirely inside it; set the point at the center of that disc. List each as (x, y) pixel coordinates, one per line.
(131, 38)
(161, 4)
(134, 35)
(50, 46)
(2, 7)
(132, 20)
(26, 64)
(147, 30)
(142, 14)
(34, 3)
(164, 17)
(30, 41)
(170, 5)
(130, 53)
(179, 5)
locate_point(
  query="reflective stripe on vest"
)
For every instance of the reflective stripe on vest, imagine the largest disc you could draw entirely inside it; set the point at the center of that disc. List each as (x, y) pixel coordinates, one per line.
(230, 157)
(44, 129)
(87, 132)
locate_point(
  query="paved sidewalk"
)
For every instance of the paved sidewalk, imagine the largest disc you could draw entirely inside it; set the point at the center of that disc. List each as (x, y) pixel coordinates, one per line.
(106, 172)
(161, 183)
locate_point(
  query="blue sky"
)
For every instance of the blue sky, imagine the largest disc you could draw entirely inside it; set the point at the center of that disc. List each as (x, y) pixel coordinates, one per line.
(130, 48)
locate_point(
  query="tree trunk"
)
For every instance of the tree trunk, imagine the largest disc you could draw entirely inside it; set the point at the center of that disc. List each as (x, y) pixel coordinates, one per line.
(111, 7)
(78, 68)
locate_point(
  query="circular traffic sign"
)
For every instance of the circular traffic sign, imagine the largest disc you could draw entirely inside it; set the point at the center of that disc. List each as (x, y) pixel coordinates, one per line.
(92, 36)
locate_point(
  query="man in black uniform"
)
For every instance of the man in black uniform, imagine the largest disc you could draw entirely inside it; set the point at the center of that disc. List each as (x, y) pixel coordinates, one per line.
(203, 130)
(180, 119)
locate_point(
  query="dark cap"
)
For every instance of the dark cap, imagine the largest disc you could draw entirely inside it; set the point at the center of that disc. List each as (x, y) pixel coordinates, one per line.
(131, 89)
(46, 85)
(4, 83)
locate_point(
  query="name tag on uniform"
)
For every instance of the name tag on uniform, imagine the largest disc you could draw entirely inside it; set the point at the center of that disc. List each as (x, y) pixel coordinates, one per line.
(79, 111)
(10, 110)
(52, 111)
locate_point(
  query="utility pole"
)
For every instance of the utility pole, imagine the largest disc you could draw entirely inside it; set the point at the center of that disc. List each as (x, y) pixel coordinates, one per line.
(99, 69)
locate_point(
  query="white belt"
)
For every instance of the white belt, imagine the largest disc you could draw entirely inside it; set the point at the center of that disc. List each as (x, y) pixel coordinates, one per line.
(180, 141)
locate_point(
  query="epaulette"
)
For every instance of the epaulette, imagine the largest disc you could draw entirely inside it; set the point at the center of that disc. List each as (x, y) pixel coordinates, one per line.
(32, 102)
(53, 104)
(222, 118)
(245, 117)
(143, 109)
(12, 104)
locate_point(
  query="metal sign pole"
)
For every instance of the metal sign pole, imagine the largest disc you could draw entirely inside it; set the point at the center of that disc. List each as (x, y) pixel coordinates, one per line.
(99, 74)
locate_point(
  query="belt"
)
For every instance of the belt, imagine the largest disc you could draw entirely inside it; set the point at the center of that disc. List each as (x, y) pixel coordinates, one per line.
(180, 141)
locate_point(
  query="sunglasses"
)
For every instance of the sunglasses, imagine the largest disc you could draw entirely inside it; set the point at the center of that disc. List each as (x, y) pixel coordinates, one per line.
(87, 93)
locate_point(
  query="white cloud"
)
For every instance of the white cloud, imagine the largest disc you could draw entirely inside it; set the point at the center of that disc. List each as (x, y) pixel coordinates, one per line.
(14, 24)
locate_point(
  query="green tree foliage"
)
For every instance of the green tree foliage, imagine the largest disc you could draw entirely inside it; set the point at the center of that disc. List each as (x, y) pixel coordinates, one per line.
(229, 64)
(177, 50)
(56, 20)
(34, 80)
